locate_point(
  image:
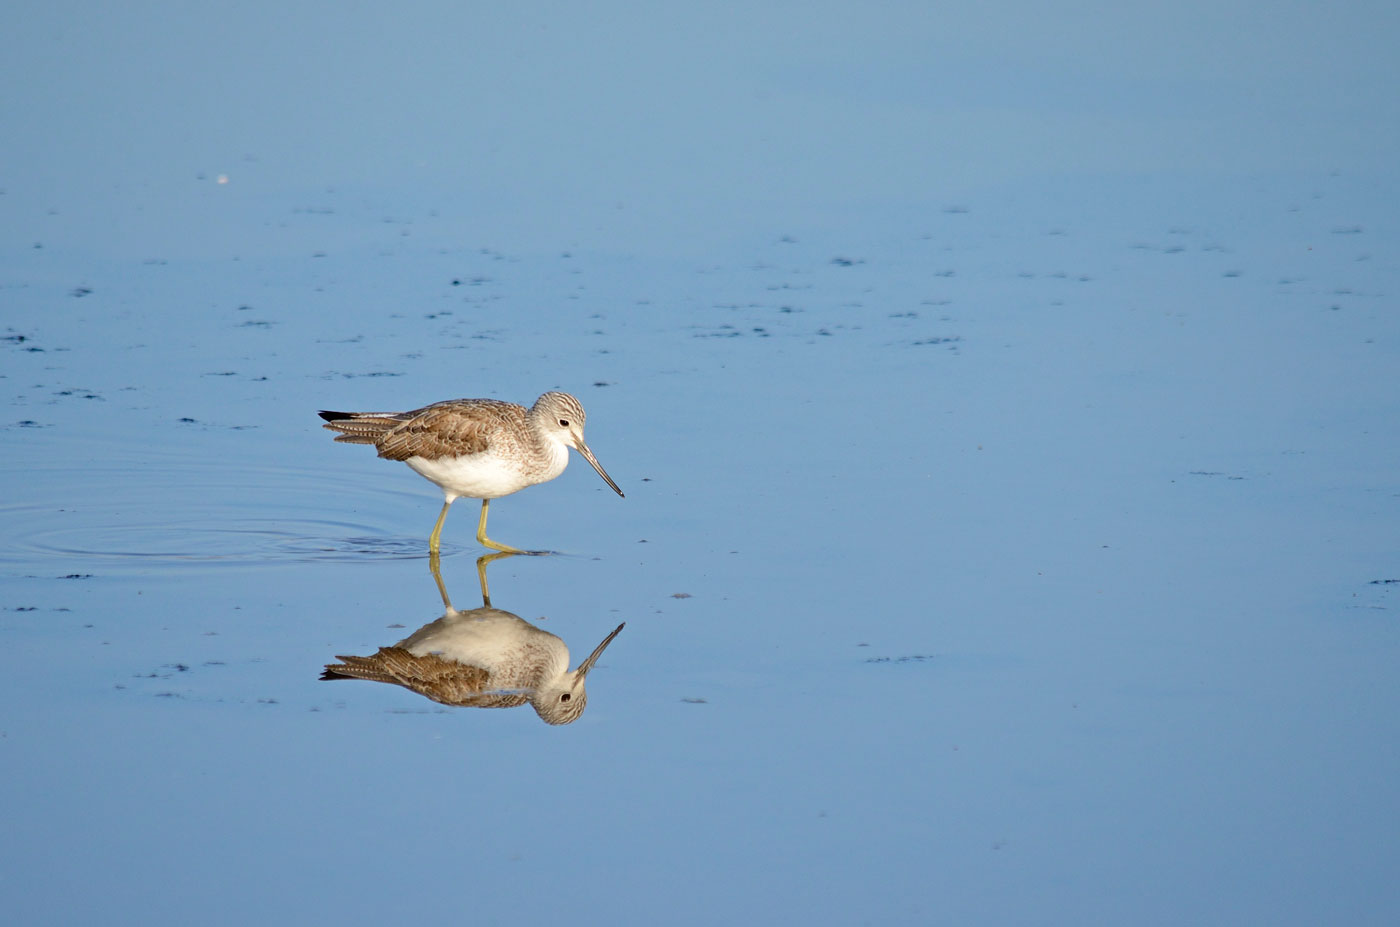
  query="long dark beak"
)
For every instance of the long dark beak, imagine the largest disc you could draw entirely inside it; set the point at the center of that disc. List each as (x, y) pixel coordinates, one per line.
(588, 456)
(587, 665)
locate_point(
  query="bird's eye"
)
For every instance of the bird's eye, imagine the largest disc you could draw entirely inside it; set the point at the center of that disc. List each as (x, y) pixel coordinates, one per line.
(565, 697)
(564, 423)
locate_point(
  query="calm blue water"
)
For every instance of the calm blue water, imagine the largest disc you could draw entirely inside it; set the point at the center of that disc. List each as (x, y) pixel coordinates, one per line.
(1006, 404)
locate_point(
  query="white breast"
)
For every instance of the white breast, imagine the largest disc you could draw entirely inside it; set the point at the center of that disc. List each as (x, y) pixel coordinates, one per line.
(486, 476)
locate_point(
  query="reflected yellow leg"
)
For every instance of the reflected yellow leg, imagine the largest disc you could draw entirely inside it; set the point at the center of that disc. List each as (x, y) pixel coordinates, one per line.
(435, 567)
(481, 573)
(484, 541)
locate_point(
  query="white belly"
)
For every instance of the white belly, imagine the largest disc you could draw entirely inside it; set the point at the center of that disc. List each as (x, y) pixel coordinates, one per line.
(488, 638)
(485, 476)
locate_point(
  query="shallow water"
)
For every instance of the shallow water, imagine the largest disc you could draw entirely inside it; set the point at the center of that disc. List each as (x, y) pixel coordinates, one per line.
(1020, 552)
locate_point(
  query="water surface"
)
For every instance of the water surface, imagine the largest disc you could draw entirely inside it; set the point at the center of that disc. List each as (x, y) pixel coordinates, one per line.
(1009, 532)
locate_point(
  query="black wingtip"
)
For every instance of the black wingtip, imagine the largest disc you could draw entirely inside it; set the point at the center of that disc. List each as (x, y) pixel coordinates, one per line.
(332, 416)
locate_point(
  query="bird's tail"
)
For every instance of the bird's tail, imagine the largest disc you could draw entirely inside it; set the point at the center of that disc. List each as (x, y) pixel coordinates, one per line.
(360, 427)
(371, 668)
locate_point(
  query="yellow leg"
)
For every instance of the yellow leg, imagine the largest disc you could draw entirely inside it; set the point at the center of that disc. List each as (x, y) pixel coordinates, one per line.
(435, 539)
(484, 541)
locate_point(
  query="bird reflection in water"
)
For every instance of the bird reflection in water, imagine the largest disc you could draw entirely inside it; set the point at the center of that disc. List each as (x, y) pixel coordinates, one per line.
(481, 658)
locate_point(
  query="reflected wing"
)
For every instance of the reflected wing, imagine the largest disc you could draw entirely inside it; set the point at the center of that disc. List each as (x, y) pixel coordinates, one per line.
(442, 680)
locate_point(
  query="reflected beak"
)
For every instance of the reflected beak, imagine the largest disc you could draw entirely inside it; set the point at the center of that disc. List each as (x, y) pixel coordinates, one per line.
(588, 456)
(587, 665)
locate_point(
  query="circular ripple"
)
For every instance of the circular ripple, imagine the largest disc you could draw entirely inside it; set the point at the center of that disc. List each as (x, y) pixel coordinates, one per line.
(228, 542)
(182, 513)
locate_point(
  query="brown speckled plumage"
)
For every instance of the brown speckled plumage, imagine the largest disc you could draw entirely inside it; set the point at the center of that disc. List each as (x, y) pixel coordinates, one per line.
(453, 428)
(445, 681)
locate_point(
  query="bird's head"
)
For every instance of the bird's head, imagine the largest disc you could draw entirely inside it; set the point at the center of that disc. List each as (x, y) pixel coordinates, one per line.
(562, 416)
(564, 702)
